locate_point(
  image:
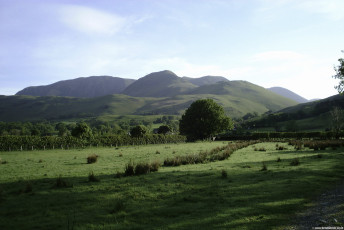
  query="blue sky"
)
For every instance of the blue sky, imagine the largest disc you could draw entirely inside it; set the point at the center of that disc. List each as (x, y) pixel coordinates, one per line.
(289, 43)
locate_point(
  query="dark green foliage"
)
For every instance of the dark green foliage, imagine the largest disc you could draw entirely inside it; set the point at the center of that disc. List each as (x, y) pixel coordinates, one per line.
(278, 159)
(138, 131)
(340, 75)
(295, 162)
(204, 119)
(15, 143)
(92, 177)
(92, 158)
(82, 130)
(164, 129)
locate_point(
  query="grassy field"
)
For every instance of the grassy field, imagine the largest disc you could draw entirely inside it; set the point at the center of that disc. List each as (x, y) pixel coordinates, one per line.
(51, 189)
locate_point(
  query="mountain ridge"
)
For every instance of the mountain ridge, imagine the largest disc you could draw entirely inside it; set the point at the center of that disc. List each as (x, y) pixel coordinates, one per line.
(83, 87)
(288, 94)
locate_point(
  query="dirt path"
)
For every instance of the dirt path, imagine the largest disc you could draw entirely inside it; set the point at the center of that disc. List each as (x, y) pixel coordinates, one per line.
(327, 212)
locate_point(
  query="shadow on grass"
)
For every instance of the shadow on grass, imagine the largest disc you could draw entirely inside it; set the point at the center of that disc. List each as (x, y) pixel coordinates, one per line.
(247, 199)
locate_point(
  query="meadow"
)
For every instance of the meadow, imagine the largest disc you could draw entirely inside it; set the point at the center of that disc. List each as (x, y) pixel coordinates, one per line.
(257, 187)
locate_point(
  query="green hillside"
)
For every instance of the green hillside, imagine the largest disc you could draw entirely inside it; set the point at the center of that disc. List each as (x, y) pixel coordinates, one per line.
(30, 108)
(161, 93)
(243, 90)
(311, 116)
(159, 84)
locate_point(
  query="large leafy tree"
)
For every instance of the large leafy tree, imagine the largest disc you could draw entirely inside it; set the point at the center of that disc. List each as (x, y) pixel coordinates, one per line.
(340, 75)
(82, 130)
(138, 131)
(203, 119)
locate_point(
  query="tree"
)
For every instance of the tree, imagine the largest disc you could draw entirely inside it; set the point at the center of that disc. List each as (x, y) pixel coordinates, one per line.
(164, 129)
(337, 118)
(82, 130)
(340, 75)
(138, 131)
(203, 119)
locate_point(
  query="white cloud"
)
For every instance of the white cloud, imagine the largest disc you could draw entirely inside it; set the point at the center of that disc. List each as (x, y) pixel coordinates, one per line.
(91, 21)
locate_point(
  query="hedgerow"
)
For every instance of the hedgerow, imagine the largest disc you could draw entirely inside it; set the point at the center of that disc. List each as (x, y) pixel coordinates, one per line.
(16, 143)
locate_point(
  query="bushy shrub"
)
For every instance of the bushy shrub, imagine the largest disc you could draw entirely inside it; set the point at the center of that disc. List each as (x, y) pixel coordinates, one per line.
(154, 166)
(129, 169)
(92, 158)
(142, 168)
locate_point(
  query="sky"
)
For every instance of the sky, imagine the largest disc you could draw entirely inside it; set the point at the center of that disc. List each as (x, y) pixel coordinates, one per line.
(293, 44)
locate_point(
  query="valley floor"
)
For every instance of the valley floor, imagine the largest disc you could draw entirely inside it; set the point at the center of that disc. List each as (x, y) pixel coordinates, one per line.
(252, 189)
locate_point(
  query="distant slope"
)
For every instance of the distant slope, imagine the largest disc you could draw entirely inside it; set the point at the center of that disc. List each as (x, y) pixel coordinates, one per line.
(159, 84)
(207, 80)
(94, 86)
(248, 91)
(288, 94)
(318, 106)
(310, 116)
(31, 108)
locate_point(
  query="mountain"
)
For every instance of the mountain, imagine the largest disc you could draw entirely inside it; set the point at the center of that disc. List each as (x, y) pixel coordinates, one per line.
(87, 87)
(207, 80)
(159, 84)
(237, 97)
(248, 91)
(288, 94)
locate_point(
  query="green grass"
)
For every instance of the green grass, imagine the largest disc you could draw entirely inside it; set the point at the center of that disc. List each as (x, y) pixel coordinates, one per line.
(184, 197)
